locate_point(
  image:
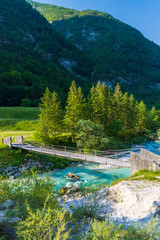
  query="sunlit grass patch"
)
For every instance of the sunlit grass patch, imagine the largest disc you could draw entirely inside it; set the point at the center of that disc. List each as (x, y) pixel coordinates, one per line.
(20, 113)
(146, 175)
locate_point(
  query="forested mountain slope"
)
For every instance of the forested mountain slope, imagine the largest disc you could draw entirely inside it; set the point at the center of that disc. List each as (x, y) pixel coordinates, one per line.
(33, 56)
(118, 52)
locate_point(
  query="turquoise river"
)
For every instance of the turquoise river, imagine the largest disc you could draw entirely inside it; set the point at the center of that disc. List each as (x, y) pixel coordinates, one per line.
(91, 174)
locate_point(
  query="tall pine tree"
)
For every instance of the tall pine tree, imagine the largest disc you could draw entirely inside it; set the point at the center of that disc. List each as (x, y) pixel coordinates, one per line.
(98, 104)
(75, 109)
(142, 118)
(50, 122)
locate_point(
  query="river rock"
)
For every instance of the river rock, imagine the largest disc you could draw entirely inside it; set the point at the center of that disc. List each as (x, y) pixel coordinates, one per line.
(156, 203)
(63, 190)
(69, 184)
(7, 204)
(12, 178)
(9, 169)
(71, 175)
(17, 174)
(75, 186)
(11, 173)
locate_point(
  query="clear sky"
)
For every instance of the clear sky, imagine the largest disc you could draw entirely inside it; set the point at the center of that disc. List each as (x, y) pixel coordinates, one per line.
(141, 14)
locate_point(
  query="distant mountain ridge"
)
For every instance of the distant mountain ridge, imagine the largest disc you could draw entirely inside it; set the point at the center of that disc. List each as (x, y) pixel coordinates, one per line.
(117, 51)
(34, 55)
(87, 46)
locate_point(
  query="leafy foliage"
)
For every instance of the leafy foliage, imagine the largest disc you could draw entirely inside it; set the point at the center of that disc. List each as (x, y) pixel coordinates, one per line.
(107, 230)
(43, 224)
(90, 135)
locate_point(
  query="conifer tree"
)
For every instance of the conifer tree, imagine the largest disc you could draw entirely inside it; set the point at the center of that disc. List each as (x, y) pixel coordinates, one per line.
(98, 104)
(50, 122)
(44, 116)
(129, 115)
(75, 108)
(110, 107)
(117, 103)
(142, 118)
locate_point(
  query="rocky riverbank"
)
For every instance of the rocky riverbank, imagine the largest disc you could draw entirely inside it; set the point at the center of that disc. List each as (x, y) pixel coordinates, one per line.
(124, 202)
(13, 172)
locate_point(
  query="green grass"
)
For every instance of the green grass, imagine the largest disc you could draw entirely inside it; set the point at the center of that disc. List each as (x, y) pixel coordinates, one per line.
(28, 135)
(140, 175)
(16, 125)
(146, 175)
(20, 113)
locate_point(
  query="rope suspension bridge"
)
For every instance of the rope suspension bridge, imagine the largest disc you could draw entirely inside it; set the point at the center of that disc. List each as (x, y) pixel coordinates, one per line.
(119, 158)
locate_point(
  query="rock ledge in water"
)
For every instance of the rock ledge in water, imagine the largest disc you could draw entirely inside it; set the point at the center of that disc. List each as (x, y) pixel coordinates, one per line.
(73, 176)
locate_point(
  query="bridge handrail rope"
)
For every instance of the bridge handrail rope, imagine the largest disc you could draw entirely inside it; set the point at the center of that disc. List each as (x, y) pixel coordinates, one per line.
(103, 157)
(109, 153)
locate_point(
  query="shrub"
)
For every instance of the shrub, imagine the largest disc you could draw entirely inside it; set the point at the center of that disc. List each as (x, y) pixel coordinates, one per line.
(25, 102)
(90, 208)
(90, 134)
(107, 230)
(32, 190)
(43, 224)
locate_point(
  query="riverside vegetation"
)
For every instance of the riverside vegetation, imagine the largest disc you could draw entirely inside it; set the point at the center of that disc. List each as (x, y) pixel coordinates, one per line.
(33, 202)
(106, 119)
(34, 213)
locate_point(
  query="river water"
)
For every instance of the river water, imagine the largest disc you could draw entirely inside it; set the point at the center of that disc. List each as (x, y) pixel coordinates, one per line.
(91, 173)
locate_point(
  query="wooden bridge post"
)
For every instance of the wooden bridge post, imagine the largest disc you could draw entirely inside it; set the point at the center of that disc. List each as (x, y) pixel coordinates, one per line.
(106, 160)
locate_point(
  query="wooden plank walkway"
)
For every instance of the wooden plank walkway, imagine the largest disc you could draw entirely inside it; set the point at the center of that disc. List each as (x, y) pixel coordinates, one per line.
(67, 154)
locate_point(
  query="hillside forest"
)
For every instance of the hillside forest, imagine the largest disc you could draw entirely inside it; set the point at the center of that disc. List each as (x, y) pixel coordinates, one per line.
(49, 46)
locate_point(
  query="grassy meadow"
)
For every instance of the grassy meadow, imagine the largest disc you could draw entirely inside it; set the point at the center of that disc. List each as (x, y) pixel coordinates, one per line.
(19, 113)
(15, 121)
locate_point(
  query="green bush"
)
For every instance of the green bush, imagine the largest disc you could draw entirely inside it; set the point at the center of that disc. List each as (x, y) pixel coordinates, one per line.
(45, 224)
(25, 102)
(106, 230)
(31, 190)
(89, 135)
(90, 208)
(10, 157)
